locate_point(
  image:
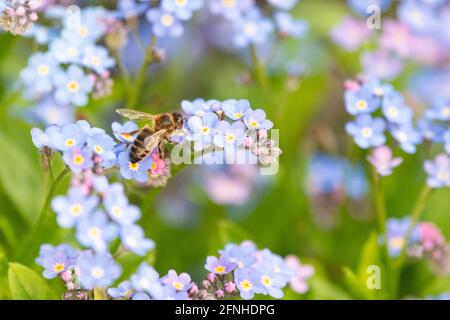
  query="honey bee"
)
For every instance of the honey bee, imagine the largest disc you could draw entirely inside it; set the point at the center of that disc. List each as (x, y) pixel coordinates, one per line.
(151, 135)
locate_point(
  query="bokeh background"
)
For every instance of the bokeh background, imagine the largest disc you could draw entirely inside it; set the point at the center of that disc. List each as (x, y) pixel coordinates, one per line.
(319, 206)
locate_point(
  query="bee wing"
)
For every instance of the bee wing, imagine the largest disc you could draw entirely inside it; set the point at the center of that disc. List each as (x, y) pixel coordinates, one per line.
(134, 114)
(151, 142)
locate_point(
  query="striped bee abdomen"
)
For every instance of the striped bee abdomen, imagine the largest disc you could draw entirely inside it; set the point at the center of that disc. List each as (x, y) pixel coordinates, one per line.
(138, 150)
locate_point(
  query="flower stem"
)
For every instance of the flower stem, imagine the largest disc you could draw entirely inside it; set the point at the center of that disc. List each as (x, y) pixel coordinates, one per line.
(259, 68)
(100, 294)
(138, 82)
(30, 242)
(380, 203)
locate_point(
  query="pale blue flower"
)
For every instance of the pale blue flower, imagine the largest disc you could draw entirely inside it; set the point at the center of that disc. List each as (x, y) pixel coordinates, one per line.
(248, 282)
(97, 270)
(361, 6)
(97, 58)
(395, 110)
(147, 279)
(96, 231)
(272, 282)
(235, 109)
(447, 141)
(73, 207)
(396, 235)
(103, 147)
(256, 119)
(124, 291)
(202, 128)
(242, 255)
(407, 136)
(37, 76)
(134, 240)
(283, 4)
(431, 131)
(230, 9)
(223, 265)
(78, 159)
(68, 137)
(181, 282)
(66, 50)
(122, 132)
(43, 139)
(288, 26)
(440, 110)
(164, 23)
(229, 136)
(56, 260)
(73, 86)
(438, 171)
(137, 171)
(183, 9)
(252, 28)
(198, 107)
(367, 131)
(362, 101)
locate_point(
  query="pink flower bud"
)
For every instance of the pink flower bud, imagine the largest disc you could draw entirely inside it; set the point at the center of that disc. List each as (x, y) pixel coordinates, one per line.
(230, 287)
(206, 284)
(193, 290)
(211, 277)
(219, 294)
(20, 11)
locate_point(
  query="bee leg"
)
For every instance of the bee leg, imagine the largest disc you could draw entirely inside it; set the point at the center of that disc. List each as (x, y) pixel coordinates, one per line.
(161, 151)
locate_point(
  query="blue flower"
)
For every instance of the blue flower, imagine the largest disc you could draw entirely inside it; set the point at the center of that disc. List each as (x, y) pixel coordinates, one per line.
(361, 102)
(421, 18)
(137, 171)
(360, 6)
(73, 86)
(78, 159)
(288, 26)
(66, 50)
(56, 260)
(181, 282)
(249, 282)
(122, 132)
(276, 264)
(37, 76)
(95, 231)
(43, 139)
(91, 27)
(367, 131)
(124, 290)
(97, 270)
(116, 204)
(440, 110)
(242, 255)
(146, 279)
(283, 4)
(235, 109)
(48, 112)
(256, 119)
(202, 128)
(447, 141)
(97, 59)
(164, 23)
(103, 147)
(407, 136)
(230, 9)
(431, 131)
(223, 265)
(229, 136)
(377, 88)
(395, 110)
(251, 28)
(133, 239)
(198, 107)
(73, 207)
(396, 234)
(438, 171)
(68, 137)
(183, 9)
(272, 282)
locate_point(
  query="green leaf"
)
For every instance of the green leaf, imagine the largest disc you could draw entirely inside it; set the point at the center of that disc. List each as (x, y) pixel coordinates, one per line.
(20, 177)
(25, 284)
(4, 293)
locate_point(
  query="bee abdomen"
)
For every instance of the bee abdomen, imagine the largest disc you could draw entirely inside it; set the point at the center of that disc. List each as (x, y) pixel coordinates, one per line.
(138, 150)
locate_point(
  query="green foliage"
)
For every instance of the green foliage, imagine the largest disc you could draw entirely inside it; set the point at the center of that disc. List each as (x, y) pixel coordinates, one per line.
(25, 284)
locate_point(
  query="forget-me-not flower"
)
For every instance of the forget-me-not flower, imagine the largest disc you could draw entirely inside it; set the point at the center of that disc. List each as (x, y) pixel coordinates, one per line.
(73, 86)
(367, 131)
(97, 270)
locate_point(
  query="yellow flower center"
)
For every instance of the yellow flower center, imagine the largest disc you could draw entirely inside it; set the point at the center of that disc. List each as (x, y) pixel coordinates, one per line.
(59, 267)
(76, 210)
(442, 174)
(253, 123)
(181, 3)
(393, 112)
(446, 111)
(238, 115)
(95, 232)
(266, 281)
(73, 86)
(397, 242)
(230, 138)
(43, 70)
(167, 20)
(117, 212)
(97, 272)
(250, 28)
(96, 60)
(246, 285)
(177, 285)
(366, 132)
(154, 166)
(98, 149)
(228, 3)
(83, 31)
(78, 159)
(70, 142)
(205, 130)
(133, 166)
(361, 104)
(219, 269)
(71, 52)
(126, 136)
(378, 91)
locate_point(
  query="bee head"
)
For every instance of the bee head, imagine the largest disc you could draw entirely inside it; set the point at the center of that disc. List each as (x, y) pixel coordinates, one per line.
(178, 119)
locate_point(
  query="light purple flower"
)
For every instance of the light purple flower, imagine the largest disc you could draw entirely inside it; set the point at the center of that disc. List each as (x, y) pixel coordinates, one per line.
(256, 119)
(223, 265)
(252, 28)
(97, 270)
(230, 9)
(229, 136)
(383, 161)
(438, 171)
(381, 64)
(350, 34)
(181, 282)
(122, 132)
(78, 159)
(235, 109)
(302, 272)
(164, 23)
(56, 260)
(124, 290)
(183, 9)
(96, 231)
(248, 282)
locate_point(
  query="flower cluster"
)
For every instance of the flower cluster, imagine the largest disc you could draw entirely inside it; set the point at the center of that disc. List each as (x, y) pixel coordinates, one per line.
(243, 269)
(18, 16)
(74, 65)
(426, 241)
(379, 109)
(232, 129)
